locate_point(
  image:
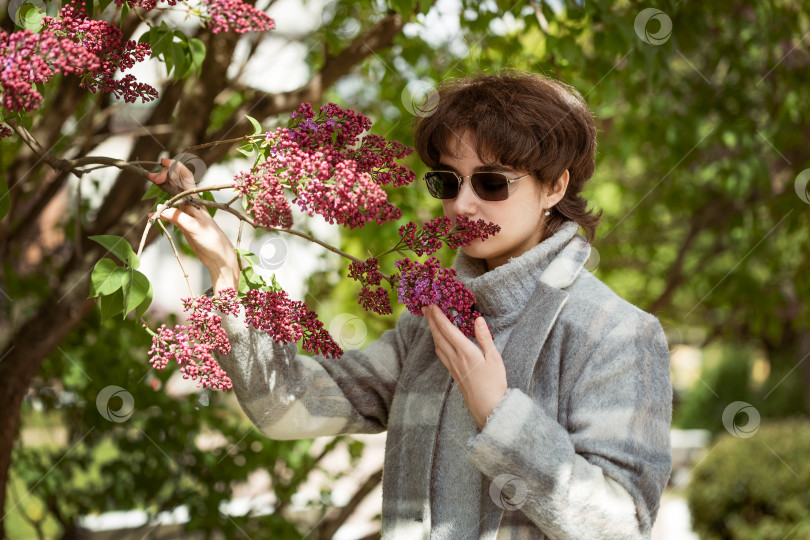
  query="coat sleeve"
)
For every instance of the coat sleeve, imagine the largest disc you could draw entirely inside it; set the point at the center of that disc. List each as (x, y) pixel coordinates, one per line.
(602, 475)
(293, 396)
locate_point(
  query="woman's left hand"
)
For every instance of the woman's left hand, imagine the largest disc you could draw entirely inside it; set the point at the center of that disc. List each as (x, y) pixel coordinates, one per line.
(479, 373)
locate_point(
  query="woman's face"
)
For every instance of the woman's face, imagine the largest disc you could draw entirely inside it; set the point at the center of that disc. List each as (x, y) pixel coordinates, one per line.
(520, 216)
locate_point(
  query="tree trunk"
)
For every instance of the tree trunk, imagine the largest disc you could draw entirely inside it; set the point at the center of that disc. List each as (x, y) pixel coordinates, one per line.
(787, 389)
(22, 359)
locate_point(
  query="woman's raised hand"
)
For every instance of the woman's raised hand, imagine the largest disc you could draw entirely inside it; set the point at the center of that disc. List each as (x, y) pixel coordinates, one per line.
(206, 238)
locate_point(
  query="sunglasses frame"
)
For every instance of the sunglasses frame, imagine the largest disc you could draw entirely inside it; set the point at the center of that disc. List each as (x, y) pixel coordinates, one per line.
(460, 179)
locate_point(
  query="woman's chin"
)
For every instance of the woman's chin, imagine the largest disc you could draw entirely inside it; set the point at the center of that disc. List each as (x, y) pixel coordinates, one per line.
(478, 250)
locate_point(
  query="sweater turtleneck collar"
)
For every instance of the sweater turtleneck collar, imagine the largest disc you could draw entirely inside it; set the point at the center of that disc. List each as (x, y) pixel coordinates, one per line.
(504, 291)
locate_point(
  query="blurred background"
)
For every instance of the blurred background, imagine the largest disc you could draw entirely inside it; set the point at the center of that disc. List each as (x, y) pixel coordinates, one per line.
(703, 174)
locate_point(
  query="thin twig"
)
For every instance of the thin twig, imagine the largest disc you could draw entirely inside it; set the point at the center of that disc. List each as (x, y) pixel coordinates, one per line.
(149, 223)
(294, 232)
(33, 144)
(238, 243)
(177, 256)
(113, 162)
(188, 192)
(225, 141)
(78, 226)
(70, 165)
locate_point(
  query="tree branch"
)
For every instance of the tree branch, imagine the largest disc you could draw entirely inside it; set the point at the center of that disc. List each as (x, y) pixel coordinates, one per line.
(263, 105)
(337, 516)
(33, 144)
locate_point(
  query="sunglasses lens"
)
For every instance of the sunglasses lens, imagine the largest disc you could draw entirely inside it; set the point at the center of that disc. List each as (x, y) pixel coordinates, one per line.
(442, 185)
(491, 186)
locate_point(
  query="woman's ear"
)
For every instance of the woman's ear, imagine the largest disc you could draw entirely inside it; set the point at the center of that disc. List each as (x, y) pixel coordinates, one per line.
(556, 192)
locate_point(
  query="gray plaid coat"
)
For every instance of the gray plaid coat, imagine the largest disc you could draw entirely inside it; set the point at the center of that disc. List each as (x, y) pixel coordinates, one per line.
(577, 449)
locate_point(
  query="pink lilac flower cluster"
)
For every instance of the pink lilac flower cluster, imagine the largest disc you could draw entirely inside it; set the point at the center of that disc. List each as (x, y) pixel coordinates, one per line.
(346, 196)
(148, 5)
(368, 273)
(237, 16)
(105, 41)
(429, 239)
(288, 321)
(192, 346)
(340, 129)
(30, 58)
(422, 284)
(270, 207)
(375, 300)
(318, 159)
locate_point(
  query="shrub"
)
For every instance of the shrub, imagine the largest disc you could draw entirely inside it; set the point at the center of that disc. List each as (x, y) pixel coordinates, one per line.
(754, 488)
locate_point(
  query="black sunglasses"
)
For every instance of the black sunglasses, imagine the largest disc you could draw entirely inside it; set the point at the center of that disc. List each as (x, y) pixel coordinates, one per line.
(488, 186)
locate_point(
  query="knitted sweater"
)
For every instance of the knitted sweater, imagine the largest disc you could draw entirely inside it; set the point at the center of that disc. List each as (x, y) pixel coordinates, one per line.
(578, 447)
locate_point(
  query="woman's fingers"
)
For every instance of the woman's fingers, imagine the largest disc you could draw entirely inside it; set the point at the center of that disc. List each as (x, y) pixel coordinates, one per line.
(177, 173)
(177, 217)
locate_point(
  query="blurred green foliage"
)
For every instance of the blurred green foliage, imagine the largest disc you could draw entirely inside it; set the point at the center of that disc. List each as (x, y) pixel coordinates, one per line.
(191, 450)
(754, 488)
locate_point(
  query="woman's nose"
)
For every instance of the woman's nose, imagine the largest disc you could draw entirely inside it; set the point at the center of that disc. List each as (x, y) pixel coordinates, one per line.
(466, 202)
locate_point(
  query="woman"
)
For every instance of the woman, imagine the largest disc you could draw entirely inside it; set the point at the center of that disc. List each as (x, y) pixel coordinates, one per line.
(556, 428)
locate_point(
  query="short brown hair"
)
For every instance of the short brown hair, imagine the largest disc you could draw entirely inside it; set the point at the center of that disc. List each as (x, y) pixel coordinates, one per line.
(522, 120)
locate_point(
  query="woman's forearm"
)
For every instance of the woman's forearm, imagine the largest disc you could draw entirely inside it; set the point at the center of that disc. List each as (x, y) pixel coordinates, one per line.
(224, 276)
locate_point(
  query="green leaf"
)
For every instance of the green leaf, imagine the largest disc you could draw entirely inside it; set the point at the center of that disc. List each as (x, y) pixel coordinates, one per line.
(106, 278)
(102, 5)
(141, 309)
(5, 200)
(182, 62)
(251, 258)
(119, 247)
(256, 125)
(111, 305)
(124, 12)
(136, 291)
(31, 17)
(153, 191)
(197, 50)
(404, 7)
(167, 59)
(248, 279)
(208, 196)
(246, 149)
(159, 39)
